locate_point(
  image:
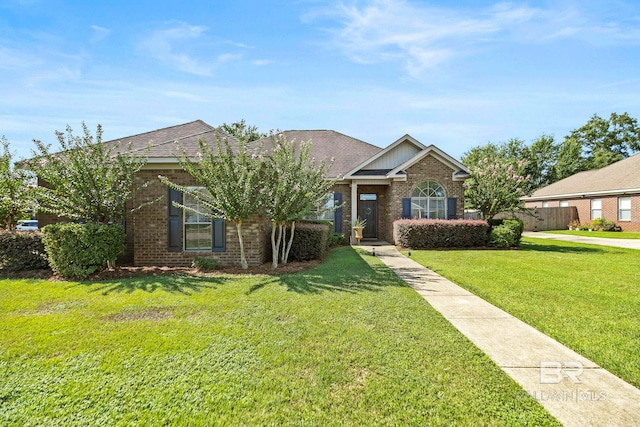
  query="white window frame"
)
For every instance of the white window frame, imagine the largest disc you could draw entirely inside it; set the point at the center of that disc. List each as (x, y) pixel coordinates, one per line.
(327, 215)
(429, 200)
(596, 209)
(191, 221)
(564, 203)
(545, 204)
(624, 212)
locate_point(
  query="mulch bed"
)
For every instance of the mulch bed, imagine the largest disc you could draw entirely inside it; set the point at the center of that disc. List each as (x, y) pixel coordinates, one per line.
(125, 272)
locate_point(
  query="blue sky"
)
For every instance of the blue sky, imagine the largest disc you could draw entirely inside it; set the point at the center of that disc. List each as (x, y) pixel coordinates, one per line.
(454, 74)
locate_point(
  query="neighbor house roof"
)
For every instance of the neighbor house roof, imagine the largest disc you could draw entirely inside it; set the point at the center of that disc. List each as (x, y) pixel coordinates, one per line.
(617, 178)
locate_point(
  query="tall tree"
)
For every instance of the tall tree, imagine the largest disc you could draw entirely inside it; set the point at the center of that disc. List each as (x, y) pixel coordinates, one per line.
(597, 144)
(16, 197)
(232, 181)
(496, 185)
(242, 130)
(87, 180)
(297, 184)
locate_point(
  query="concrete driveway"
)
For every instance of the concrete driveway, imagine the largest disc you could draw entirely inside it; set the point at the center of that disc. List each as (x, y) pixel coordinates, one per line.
(619, 243)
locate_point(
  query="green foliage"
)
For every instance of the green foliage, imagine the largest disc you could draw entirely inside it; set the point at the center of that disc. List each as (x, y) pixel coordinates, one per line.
(205, 264)
(242, 131)
(507, 234)
(309, 242)
(77, 250)
(601, 224)
(597, 144)
(22, 251)
(88, 180)
(437, 233)
(16, 197)
(496, 185)
(336, 239)
(232, 178)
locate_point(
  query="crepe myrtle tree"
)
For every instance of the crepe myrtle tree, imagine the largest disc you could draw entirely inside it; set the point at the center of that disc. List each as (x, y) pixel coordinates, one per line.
(297, 185)
(16, 195)
(232, 180)
(87, 180)
(496, 185)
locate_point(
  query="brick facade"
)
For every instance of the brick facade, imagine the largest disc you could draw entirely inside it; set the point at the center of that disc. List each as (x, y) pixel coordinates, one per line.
(609, 209)
(150, 228)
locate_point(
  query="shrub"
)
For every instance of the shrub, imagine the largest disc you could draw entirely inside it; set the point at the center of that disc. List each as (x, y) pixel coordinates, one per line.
(309, 242)
(22, 251)
(205, 264)
(584, 227)
(437, 233)
(502, 236)
(517, 227)
(336, 239)
(601, 224)
(77, 250)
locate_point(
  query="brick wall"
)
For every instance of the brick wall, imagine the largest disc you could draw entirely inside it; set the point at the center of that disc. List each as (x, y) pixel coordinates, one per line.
(428, 169)
(150, 229)
(609, 209)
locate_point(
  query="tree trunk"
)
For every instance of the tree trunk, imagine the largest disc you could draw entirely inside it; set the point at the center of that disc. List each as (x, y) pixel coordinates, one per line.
(283, 231)
(243, 259)
(275, 245)
(293, 229)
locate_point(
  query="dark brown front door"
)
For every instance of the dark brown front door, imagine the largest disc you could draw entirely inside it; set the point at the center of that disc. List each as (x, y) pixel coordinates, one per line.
(368, 209)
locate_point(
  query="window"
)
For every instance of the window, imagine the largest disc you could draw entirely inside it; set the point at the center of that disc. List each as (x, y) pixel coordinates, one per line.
(624, 208)
(564, 203)
(368, 196)
(198, 233)
(429, 200)
(321, 212)
(596, 208)
(545, 204)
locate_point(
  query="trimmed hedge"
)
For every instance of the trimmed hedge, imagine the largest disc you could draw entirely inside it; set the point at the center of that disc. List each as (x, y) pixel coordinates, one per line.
(440, 233)
(22, 250)
(77, 250)
(309, 241)
(336, 239)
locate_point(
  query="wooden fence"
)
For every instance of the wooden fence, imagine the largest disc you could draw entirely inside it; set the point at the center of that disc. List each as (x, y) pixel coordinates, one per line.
(541, 219)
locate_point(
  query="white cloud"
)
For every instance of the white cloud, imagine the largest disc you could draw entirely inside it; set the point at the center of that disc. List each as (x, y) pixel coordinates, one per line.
(99, 33)
(420, 37)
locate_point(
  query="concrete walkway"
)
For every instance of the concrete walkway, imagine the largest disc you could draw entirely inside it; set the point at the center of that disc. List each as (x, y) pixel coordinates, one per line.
(619, 243)
(572, 388)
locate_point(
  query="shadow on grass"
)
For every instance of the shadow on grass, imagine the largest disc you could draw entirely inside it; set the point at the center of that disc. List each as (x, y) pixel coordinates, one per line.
(563, 247)
(177, 284)
(343, 271)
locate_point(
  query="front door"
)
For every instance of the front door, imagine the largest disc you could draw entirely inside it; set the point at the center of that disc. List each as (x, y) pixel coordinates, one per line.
(368, 209)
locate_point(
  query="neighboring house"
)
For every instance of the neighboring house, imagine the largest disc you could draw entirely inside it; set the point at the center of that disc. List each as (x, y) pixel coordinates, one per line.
(611, 193)
(406, 179)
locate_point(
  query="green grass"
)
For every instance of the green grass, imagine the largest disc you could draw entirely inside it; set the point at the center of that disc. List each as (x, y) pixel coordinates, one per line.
(606, 234)
(585, 296)
(346, 343)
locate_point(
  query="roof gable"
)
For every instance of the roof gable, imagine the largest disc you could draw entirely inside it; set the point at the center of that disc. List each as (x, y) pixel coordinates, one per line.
(401, 150)
(437, 153)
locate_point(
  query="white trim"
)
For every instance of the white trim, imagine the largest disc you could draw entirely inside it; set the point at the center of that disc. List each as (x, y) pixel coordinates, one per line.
(379, 154)
(628, 191)
(354, 209)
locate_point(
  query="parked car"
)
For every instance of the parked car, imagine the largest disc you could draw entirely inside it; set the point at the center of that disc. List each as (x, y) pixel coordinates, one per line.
(27, 225)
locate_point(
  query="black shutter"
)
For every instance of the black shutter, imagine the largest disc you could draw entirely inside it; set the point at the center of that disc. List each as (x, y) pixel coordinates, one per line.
(452, 204)
(337, 219)
(406, 208)
(175, 222)
(219, 238)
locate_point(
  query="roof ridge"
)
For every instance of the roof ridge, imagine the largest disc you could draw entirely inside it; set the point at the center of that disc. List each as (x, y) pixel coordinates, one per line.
(161, 129)
(334, 131)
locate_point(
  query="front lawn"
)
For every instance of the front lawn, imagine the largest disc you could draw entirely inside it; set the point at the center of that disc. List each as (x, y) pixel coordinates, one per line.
(585, 296)
(346, 343)
(606, 234)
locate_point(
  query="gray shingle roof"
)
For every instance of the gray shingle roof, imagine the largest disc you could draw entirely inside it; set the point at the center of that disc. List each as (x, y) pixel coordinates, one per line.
(619, 176)
(348, 152)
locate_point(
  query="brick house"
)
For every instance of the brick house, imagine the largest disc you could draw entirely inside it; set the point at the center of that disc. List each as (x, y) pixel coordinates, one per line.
(406, 179)
(611, 193)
